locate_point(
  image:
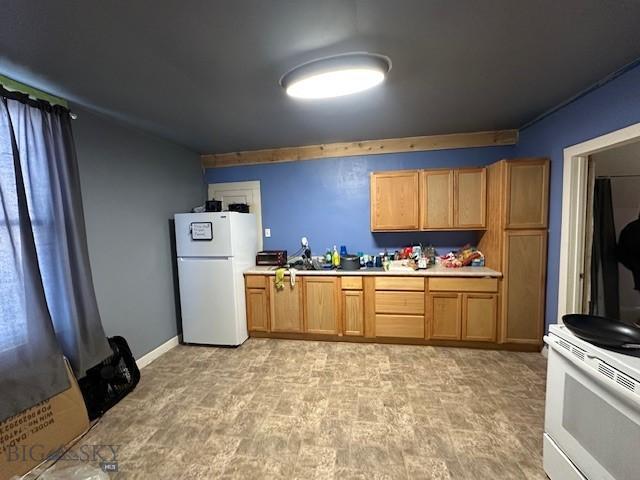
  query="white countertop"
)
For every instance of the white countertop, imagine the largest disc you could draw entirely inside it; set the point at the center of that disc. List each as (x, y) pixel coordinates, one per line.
(436, 271)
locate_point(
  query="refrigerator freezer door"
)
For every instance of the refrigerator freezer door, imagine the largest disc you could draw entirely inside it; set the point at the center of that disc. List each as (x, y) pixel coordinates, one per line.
(208, 303)
(218, 246)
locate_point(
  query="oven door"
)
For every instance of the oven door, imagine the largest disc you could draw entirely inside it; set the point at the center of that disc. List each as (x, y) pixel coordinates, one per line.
(592, 418)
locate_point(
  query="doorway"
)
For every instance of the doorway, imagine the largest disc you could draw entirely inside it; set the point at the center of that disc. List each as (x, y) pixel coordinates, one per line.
(614, 208)
(579, 178)
(240, 192)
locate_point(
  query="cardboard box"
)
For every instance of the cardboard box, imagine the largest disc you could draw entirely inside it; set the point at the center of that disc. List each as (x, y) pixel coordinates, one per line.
(30, 437)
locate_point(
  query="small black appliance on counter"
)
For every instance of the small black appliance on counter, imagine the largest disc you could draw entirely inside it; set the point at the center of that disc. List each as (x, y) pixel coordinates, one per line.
(350, 262)
(275, 258)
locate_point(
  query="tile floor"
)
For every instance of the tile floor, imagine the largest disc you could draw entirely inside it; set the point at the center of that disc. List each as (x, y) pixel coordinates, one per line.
(298, 409)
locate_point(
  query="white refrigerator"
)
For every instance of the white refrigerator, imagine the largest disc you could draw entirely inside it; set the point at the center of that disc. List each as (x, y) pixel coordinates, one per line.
(214, 249)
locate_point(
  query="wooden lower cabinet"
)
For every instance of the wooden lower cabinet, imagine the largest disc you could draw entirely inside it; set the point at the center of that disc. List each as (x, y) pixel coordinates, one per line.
(445, 314)
(257, 310)
(463, 316)
(404, 303)
(479, 317)
(286, 307)
(353, 312)
(400, 326)
(454, 309)
(321, 305)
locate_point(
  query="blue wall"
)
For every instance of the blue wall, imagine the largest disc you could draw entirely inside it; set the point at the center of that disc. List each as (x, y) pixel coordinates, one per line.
(328, 200)
(611, 107)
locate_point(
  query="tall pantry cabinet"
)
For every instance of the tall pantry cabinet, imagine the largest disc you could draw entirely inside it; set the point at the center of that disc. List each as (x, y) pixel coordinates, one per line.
(515, 243)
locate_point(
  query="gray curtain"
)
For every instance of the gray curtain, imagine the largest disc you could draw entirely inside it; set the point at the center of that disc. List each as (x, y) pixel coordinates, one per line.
(50, 171)
(31, 363)
(47, 154)
(605, 299)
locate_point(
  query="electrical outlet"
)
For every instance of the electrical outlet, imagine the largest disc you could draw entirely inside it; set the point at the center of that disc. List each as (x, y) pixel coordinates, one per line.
(267, 232)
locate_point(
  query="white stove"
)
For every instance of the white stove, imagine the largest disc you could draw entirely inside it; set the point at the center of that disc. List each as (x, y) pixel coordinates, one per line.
(592, 413)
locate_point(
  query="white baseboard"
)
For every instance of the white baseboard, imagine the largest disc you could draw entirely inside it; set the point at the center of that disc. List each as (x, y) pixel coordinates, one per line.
(145, 360)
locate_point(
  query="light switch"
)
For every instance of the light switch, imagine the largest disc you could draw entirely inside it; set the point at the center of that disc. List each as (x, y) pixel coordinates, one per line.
(267, 232)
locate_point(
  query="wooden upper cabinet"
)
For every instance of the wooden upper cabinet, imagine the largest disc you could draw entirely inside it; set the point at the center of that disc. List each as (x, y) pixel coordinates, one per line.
(395, 200)
(321, 305)
(286, 306)
(524, 268)
(527, 193)
(442, 199)
(436, 199)
(470, 198)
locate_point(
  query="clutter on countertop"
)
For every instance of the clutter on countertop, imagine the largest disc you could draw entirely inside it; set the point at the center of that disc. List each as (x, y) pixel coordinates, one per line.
(467, 256)
(413, 257)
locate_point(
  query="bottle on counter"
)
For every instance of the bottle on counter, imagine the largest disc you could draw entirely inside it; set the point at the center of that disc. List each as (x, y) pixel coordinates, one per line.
(335, 257)
(328, 257)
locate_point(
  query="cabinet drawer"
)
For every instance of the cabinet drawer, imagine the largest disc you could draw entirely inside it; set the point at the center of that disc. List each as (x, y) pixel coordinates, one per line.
(400, 283)
(444, 284)
(405, 326)
(255, 281)
(351, 283)
(400, 302)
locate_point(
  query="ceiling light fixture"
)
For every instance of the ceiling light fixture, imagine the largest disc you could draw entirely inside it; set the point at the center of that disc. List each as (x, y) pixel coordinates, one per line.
(336, 76)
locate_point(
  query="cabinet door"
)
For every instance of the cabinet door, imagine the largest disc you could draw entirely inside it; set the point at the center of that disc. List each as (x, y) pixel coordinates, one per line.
(524, 269)
(353, 312)
(445, 316)
(286, 306)
(257, 310)
(470, 198)
(527, 193)
(479, 317)
(394, 200)
(436, 193)
(321, 305)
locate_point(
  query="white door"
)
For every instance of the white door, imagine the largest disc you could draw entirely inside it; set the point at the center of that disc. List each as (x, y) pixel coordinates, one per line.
(240, 192)
(207, 301)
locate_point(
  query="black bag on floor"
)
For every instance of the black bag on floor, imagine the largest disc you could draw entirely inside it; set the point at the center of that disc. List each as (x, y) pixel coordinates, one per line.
(111, 380)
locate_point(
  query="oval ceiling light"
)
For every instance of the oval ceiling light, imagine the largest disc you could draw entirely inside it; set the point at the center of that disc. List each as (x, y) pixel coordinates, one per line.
(336, 76)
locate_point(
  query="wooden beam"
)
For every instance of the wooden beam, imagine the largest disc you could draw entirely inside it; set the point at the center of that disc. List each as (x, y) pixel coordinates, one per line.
(364, 147)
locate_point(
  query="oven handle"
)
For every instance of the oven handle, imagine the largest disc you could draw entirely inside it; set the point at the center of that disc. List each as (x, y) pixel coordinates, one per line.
(606, 381)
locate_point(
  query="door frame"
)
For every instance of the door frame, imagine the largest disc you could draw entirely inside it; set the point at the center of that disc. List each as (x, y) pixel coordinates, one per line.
(248, 185)
(575, 189)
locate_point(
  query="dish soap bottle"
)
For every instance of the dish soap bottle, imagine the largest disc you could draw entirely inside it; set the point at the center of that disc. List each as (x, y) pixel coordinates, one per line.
(328, 257)
(335, 257)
